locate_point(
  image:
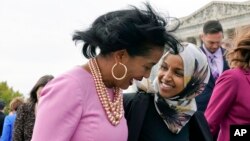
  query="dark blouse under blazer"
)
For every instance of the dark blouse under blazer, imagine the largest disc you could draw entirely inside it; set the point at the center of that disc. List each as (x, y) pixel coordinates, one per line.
(136, 105)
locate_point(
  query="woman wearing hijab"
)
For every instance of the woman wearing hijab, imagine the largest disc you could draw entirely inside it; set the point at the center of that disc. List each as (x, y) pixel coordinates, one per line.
(168, 111)
(85, 103)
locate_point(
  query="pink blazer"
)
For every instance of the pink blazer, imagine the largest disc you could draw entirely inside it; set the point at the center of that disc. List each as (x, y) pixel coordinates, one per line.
(229, 103)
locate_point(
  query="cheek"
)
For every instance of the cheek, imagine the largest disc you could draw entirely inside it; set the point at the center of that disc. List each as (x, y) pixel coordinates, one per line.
(207, 45)
(159, 76)
(136, 72)
(180, 84)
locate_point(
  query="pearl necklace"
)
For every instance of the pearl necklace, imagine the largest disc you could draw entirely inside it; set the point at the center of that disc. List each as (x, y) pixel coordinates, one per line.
(114, 110)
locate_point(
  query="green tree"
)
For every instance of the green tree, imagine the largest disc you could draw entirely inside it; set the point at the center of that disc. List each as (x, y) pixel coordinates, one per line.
(7, 94)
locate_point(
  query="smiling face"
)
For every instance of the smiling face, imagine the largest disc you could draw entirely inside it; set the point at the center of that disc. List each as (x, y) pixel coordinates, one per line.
(139, 67)
(171, 76)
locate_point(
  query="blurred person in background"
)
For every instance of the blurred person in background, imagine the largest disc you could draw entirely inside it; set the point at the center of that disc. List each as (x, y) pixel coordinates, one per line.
(26, 113)
(212, 37)
(9, 120)
(2, 116)
(229, 104)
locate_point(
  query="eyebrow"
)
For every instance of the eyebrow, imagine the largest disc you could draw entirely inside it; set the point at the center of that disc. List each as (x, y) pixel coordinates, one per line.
(179, 69)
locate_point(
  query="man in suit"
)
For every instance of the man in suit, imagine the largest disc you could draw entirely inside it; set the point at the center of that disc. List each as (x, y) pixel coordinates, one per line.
(212, 37)
(2, 116)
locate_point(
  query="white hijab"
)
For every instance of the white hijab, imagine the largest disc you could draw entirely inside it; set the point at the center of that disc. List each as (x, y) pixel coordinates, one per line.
(178, 110)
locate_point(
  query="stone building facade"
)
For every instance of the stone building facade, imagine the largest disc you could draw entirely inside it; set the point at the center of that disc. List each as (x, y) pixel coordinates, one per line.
(230, 14)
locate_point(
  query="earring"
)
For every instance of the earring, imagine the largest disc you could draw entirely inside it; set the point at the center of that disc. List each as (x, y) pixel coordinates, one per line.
(112, 71)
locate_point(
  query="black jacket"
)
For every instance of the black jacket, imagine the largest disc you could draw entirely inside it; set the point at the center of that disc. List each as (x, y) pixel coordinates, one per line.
(203, 99)
(136, 105)
(2, 116)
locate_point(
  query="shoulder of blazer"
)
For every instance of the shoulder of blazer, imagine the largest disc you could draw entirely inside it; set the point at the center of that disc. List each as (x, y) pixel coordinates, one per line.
(127, 102)
(202, 49)
(223, 51)
(199, 128)
(135, 106)
(133, 100)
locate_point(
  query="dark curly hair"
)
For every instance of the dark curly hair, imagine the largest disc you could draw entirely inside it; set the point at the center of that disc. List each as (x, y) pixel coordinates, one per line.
(137, 31)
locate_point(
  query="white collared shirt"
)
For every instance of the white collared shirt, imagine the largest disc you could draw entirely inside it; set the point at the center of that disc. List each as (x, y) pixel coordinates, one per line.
(218, 59)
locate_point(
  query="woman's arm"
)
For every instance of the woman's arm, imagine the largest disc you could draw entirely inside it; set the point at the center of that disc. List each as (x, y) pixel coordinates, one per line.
(223, 95)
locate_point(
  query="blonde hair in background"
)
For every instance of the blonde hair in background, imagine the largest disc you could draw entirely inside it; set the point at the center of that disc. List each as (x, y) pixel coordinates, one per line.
(15, 103)
(239, 56)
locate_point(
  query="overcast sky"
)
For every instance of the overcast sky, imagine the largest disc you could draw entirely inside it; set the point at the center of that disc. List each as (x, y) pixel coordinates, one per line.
(35, 35)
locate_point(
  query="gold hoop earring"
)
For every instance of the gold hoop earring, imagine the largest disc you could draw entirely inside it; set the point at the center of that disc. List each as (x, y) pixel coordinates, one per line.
(112, 71)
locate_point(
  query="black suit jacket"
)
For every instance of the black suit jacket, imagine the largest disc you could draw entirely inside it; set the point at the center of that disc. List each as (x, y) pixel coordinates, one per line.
(2, 116)
(136, 106)
(203, 99)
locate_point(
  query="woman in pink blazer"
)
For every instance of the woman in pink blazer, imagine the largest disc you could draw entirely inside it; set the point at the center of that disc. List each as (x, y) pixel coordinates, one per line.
(229, 104)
